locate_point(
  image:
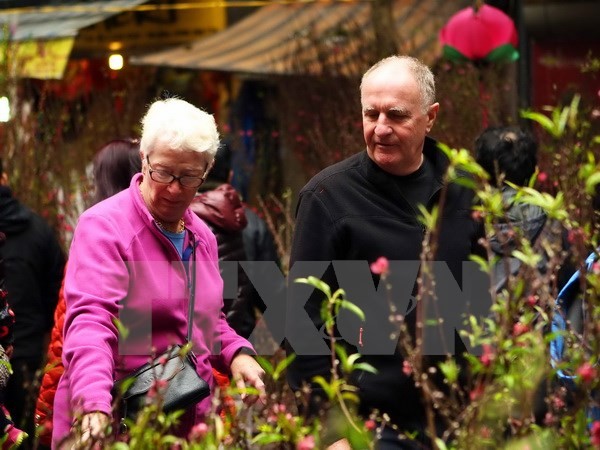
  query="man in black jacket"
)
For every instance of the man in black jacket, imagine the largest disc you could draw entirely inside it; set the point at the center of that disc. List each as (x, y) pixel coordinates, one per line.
(34, 264)
(367, 207)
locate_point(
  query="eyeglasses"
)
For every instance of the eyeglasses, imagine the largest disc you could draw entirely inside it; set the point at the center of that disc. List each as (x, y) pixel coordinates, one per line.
(164, 177)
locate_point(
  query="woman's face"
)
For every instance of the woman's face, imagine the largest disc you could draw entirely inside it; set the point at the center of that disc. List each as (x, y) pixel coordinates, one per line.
(168, 202)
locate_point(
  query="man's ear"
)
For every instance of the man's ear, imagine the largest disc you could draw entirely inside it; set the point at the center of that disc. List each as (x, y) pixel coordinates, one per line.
(431, 115)
(4, 179)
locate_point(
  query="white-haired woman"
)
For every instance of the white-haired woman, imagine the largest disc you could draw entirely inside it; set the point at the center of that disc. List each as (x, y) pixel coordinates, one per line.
(132, 260)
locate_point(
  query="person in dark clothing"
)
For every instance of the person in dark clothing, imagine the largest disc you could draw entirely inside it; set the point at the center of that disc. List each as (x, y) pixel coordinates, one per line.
(241, 235)
(509, 154)
(258, 240)
(34, 264)
(221, 209)
(10, 436)
(364, 208)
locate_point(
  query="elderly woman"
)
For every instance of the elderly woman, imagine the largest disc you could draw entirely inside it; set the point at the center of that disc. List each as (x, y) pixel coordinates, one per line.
(132, 260)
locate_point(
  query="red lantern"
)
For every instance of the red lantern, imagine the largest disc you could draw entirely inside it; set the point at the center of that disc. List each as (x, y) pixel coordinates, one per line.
(481, 33)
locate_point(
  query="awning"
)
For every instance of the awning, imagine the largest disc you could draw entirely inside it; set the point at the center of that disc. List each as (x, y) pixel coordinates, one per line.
(61, 21)
(42, 38)
(278, 36)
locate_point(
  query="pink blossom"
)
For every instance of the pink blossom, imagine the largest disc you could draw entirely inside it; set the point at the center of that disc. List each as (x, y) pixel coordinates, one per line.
(381, 266)
(488, 355)
(157, 387)
(595, 434)
(198, 432)
(549, 419)
(576, 236)
(477, 215)
(306, 443)
(587, 372)
(520, 328)
(477, 392)
(370, 425)
(407, 368)
(542, 177)
(558, 402)
(278, 408)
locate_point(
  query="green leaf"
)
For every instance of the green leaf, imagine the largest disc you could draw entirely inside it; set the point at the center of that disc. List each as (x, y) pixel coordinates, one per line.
(122, 329)
(282, 366)
(342, 355)
(450, 370)
(428, 218)
(353, 308)
(440, 444)
(353, 358)
(316, 283)
(328, 387)
(483, 263)
(120, 446)
(265, 364)
(563, 117)
(466, 182)
(543, 120)
(266, 439)
(591, 182)
(365, 367)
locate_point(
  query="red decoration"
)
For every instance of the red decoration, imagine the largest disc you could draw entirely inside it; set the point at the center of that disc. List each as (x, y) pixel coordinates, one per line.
(481, 33)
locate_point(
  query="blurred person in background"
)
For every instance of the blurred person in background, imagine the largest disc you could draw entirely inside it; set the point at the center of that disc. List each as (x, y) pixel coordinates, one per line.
(34, 264)
(241, 235)
(10, 436)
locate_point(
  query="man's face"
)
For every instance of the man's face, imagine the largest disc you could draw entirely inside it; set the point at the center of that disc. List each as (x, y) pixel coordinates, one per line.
(394, 120)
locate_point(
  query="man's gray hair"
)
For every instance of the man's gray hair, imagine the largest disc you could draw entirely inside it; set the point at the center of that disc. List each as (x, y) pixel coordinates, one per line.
(181, 126)
(423, 75)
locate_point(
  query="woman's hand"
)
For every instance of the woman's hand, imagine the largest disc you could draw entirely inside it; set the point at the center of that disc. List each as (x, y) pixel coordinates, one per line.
(93, 427)
(246, 370)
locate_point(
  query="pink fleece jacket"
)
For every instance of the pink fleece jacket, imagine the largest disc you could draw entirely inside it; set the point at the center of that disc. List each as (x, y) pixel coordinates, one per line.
(122, 267)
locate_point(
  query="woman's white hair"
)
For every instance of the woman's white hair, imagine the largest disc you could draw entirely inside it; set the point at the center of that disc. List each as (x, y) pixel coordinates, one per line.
(181, 126)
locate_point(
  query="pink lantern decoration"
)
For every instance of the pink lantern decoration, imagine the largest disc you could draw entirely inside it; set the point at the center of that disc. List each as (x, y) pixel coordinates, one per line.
(481, 33)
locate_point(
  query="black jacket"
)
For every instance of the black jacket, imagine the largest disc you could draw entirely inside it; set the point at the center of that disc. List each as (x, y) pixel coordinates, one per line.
(34, 264)
(353, 210)
(258, 240)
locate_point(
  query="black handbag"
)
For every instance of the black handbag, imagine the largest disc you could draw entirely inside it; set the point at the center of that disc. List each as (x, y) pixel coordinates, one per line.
(183, 386)
(173, 375)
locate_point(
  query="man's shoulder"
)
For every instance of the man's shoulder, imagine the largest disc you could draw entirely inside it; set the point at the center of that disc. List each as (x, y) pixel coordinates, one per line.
(337, 173)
